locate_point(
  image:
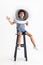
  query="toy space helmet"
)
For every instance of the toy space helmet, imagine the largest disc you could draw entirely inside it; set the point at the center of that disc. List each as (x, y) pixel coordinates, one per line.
(25, 14)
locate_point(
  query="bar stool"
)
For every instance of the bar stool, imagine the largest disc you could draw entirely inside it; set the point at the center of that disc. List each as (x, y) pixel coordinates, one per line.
(22, 45)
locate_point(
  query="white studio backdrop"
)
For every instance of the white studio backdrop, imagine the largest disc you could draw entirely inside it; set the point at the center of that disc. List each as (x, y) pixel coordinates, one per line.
(35, 27)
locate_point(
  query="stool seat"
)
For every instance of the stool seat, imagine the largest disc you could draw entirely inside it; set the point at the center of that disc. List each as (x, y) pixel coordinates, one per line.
(22, 45)
(22, 34)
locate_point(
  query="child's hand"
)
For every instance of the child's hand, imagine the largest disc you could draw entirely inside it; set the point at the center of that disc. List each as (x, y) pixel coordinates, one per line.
(27, 23)
(8, 18)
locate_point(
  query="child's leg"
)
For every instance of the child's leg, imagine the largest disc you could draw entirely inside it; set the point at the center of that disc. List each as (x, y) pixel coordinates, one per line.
(19, 38)
(31, 37)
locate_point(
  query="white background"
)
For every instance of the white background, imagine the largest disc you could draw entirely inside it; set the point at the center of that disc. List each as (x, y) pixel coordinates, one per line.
(8, 32)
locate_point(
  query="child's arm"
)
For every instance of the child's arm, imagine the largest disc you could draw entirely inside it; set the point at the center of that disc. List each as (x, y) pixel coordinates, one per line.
(10, 21)
(26, 23)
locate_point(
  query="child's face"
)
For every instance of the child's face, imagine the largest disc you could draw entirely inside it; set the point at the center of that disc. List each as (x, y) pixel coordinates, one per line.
(21, 15)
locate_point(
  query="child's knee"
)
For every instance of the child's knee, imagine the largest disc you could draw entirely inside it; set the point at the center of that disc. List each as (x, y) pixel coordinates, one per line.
(19, 33)
(30, 35)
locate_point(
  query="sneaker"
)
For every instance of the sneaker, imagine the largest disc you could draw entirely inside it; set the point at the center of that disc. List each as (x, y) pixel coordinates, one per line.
(35, 47)
(19, 47)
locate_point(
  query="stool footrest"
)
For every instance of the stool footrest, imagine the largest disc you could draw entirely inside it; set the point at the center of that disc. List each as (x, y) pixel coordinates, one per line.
(22, 45)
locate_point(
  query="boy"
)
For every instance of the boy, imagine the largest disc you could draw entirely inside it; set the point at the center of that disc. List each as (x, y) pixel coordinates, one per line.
(21, 27)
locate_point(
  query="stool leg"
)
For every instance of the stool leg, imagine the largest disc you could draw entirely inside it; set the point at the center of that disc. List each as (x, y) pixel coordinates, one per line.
(15, 53)
(16, 49)
(25, 53)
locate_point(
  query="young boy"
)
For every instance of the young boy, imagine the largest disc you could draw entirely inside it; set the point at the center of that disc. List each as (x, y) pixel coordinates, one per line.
(21, 27)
